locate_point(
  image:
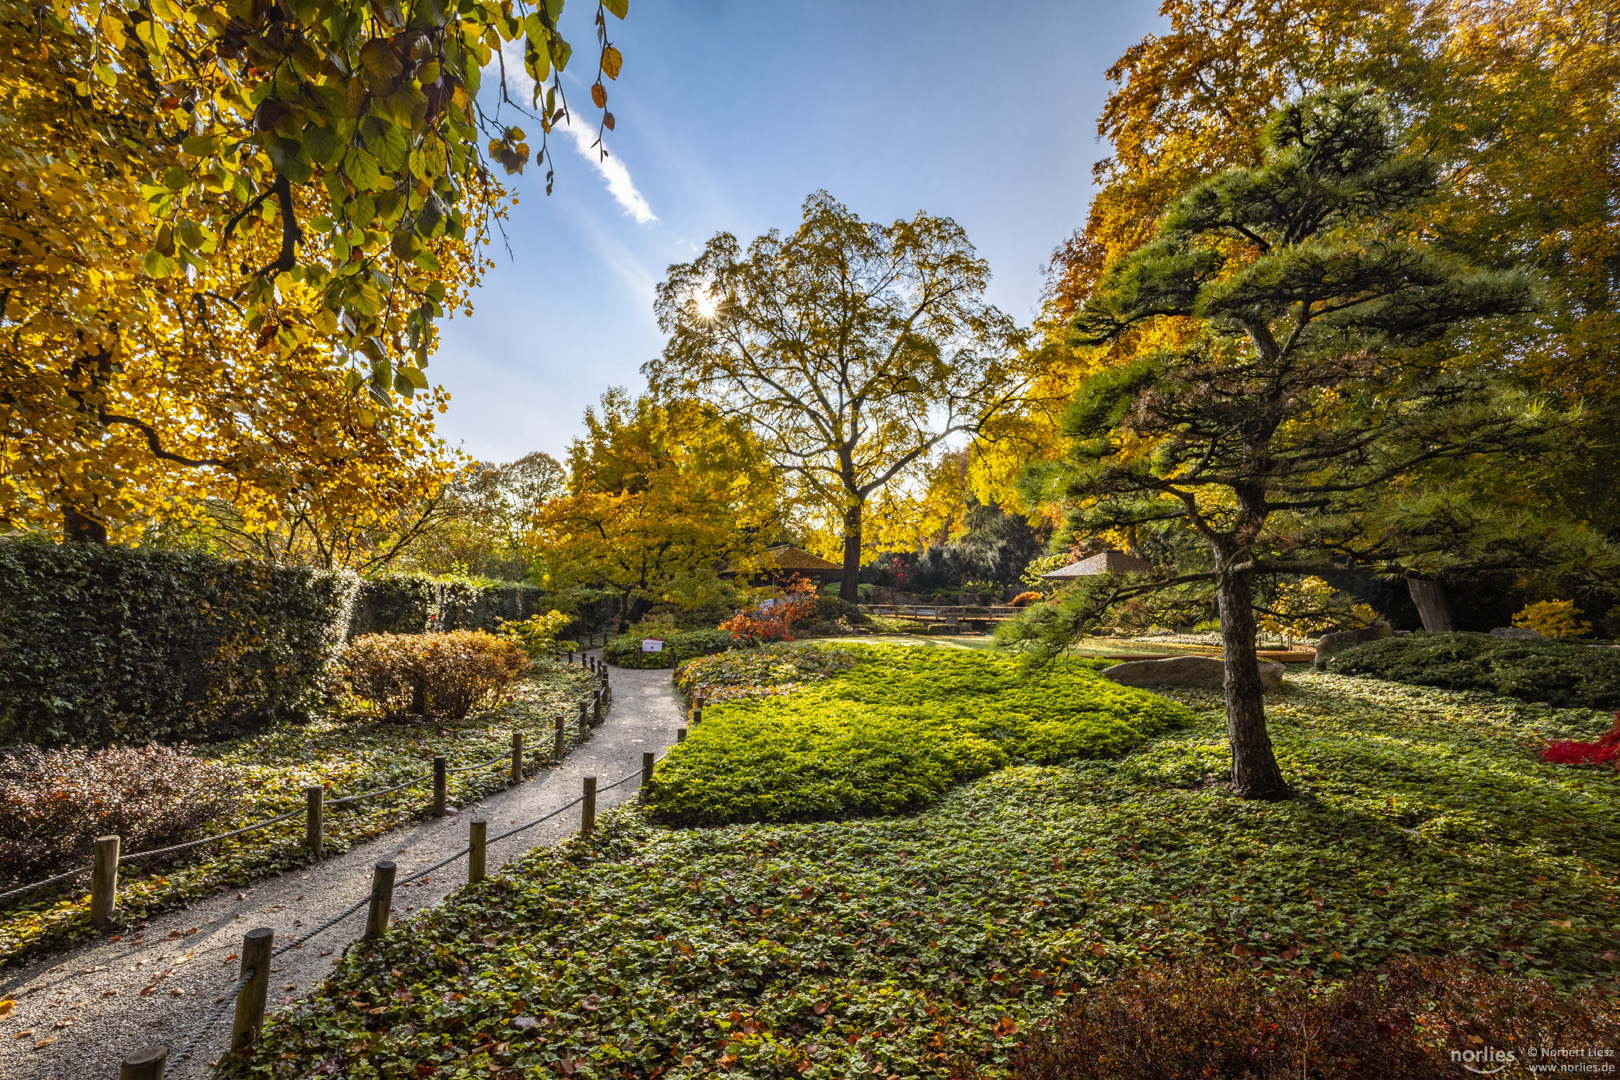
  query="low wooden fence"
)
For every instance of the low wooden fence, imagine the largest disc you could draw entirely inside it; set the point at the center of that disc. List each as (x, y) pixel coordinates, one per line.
(249, 995)
(106, 857)
(953, 617)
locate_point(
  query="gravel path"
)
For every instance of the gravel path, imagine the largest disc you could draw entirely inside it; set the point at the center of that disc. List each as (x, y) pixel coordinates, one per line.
(103, 1001)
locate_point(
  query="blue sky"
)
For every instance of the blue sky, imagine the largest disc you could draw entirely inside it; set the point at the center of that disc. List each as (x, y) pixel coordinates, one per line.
(729, 114)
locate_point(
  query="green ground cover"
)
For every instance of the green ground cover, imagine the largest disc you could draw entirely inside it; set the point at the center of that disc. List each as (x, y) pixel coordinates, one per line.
(888, 946)
(344, 755)
(1568, 674)
(890, 729)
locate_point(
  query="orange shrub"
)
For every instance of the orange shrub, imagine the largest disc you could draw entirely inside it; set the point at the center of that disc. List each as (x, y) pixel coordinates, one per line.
(445, 675)
(1026, 598)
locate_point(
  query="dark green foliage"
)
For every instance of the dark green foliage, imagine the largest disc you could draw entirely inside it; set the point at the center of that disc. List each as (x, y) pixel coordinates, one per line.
(679, 645)
(1559, 673)
(892, 733)
(995, 547)
(892, 945)
(418, 603)
(104, 645)
(1226, 1019)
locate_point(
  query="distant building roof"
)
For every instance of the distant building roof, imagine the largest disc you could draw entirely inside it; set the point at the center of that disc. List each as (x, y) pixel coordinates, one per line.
(1104, 562)
(788, 557)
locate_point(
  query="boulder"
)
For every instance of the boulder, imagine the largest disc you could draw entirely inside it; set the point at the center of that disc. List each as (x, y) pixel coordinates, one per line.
(1328, 644)
(1517, 633)
(1208, 672)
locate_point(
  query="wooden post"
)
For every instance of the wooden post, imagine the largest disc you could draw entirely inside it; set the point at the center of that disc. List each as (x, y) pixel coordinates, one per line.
(147, 1063)
(439, 780)
(314, 813)
(561, 748)
(104, 881)
(477, 830)
(697, 715)
(517, 757)
(648, 758)
(680, 734)
(596, 707)
(584, 721)
(382, 899)
(587, 813)
(250, 1001)
(570, 657)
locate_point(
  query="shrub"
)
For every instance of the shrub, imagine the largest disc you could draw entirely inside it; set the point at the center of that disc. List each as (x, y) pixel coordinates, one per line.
(444, 675)
(1553, 619)
(58, 801)
(104, 644)
(679, 645)
(892, 733)
(1576, 752)
(1209, 1018)
(774, 623)
(537, 635)
(1558, 673)
(1026, 598)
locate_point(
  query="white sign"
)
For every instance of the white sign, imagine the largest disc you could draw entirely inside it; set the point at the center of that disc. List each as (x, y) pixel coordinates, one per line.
(651, 645)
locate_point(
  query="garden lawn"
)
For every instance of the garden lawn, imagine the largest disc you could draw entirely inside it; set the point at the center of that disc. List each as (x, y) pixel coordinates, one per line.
(886, 729)
(888, 946)
(346, 757)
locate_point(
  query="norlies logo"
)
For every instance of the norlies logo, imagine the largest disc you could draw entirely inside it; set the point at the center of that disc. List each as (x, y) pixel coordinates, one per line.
(1486, 1061)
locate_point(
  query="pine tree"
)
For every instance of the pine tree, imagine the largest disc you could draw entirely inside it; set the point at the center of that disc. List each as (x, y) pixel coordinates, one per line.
(1289, 397)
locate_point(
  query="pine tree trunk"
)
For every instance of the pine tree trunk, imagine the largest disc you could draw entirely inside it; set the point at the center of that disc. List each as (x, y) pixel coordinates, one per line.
(848, 590)
(1255, 774)
(1430, 598)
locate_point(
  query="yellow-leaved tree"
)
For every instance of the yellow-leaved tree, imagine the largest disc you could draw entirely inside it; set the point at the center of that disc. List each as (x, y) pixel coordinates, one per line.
(228, 230)
(660, 494)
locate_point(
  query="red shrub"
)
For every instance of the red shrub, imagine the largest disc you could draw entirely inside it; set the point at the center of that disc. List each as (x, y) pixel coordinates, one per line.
(1418, 1021)
(58, 801)
(1585, 753)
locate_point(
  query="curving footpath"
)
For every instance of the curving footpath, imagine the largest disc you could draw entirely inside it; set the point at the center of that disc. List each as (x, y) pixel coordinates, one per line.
(103, 1001)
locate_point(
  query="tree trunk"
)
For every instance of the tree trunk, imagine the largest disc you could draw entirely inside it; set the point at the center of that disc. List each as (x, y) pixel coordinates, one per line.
(848, 590)
(1255, 774)
(1430, 598)
(80, 528)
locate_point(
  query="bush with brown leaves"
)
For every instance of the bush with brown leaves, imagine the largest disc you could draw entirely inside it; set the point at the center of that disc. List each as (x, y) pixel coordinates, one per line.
(58, 801)
(442, 675)
(1414, 1019)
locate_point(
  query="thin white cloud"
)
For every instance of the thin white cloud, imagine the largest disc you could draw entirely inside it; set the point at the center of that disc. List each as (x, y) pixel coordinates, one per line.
(611, 169)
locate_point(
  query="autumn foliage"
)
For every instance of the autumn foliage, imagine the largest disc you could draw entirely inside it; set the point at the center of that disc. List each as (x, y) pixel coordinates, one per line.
(1209, 1018)
(1604, 750)
(58, 801)
(431, 675)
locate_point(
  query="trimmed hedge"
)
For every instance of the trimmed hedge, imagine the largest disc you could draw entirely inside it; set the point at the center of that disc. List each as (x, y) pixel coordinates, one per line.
(421, 603)
(890, 734)
(679, 646)
(1558, 673)
(104, 645)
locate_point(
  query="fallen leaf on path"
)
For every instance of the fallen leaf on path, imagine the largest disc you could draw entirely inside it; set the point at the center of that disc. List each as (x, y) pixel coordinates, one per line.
(43, 1043)
(23, 1034)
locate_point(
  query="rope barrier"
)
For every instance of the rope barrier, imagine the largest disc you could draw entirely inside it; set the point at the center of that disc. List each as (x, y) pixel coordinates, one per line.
(321, 929)
(207, 839)
(536, 821)
(207, 1023)
(48, 881)
(480, 765)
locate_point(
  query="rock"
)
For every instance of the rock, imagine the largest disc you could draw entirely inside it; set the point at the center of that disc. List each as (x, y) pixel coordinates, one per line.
(1516, 633)
(1328, 644)
(1208, 672)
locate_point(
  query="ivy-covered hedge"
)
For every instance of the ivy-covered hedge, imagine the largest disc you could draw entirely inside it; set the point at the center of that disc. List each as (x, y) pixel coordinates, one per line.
(421, 603)
(1560, 673)
(103, 645)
